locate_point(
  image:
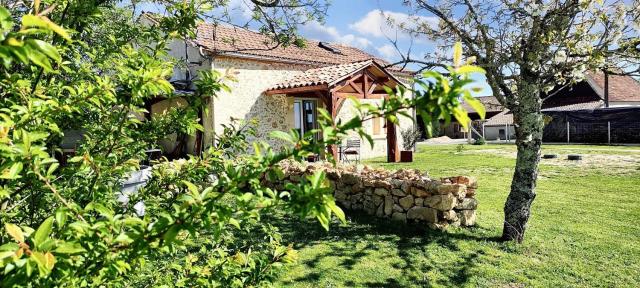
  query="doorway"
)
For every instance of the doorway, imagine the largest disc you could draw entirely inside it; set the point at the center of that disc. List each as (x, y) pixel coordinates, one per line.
(305, 115)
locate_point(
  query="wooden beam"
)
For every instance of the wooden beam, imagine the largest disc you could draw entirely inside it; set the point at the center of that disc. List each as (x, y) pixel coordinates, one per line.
(349, 94)
(365, 83)
(302, 89)
(372, 88)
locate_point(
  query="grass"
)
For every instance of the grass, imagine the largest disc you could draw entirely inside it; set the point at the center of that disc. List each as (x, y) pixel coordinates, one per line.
(583, 230)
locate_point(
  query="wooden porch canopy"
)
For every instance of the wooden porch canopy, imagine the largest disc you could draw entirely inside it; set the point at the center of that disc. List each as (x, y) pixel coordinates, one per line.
(334, 84)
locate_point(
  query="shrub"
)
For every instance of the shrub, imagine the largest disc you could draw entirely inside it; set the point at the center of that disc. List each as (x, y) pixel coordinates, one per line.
(479, 141)
(204, 221)
(410, 137)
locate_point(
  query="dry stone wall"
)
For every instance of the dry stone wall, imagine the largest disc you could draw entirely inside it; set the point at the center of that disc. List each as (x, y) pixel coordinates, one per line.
(404, 195)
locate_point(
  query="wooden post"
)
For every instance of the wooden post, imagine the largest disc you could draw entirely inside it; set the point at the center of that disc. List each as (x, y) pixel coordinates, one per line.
(506, 132)
(568, 130)
(333, 102)
(485, 138)
(608, 132)
(393, 153)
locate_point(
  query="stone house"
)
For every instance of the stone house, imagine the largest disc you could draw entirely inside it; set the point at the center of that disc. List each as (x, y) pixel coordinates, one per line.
(281, 87)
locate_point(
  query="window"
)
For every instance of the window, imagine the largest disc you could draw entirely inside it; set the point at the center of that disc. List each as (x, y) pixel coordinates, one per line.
(304, 113)
(376, 125)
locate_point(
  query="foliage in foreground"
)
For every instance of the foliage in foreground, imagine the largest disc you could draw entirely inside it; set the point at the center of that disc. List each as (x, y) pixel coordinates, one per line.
(202, 223)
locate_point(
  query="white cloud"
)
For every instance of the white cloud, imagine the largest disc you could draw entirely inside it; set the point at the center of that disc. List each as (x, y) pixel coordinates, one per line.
(376, 23)
(387, 51)
(316, 31)
(237, 10)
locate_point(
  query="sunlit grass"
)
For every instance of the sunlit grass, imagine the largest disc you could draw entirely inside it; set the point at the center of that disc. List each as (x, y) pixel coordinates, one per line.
(583, 232)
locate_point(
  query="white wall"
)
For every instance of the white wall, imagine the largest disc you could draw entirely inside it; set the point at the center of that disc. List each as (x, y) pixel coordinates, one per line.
(492, 132)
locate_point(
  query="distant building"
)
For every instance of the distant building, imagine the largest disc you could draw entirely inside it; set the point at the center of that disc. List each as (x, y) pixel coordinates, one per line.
(624, 91)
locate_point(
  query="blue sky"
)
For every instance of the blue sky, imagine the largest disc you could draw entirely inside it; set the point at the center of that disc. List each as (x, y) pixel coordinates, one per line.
(358, 23)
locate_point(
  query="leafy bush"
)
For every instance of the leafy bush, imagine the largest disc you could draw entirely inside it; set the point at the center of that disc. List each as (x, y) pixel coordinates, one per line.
(410, 137)
(204, 219)
(479, 141)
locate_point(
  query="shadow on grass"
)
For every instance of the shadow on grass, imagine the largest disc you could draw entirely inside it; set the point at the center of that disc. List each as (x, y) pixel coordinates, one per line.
(403, 247)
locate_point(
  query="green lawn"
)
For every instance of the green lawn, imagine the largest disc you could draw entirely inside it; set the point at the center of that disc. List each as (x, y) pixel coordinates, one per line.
(584, 230)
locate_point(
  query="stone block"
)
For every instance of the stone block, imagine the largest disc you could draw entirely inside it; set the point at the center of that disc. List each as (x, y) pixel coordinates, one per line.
(467, 217)
(380, 210)
(349, 178)
(419, 192)
(406, 202)
(441, 202)
(470, 182)
(471, 192)
(396, 183)
(381, 191)
(357, 188)
(451, 189)
(340, 195)
(388, 205)
(398, 216)
(450, 215)
(419, 201)
(467, 204)
(423, 213)
(406, 187)
(397, 208)
(398, 192)
(377, 199)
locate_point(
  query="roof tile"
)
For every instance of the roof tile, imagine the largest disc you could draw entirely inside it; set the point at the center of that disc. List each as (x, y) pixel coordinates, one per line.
(225, 39)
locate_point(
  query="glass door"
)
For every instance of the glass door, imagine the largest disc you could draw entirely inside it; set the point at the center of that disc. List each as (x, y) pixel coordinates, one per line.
(305, 115)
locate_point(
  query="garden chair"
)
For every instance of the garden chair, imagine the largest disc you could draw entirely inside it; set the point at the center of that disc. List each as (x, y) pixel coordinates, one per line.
(351, 151)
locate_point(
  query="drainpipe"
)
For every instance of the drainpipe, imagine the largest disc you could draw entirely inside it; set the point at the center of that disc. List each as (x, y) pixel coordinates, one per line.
(211, 98)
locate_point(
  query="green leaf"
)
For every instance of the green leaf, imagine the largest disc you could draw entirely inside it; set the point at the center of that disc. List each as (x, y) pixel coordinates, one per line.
(234, 222)
(475, 104)
(461, 116)
(282, 136)
(6, 23)
(39, 59)
(15, 232)
(171, 234)
(466, 69)
(13, 172)
(45, 48)
(339, 213)
(457, 54)
(6, 254)
(43, 231)
(61, 217)
(192, 189)
(44, 23)
(69, 248)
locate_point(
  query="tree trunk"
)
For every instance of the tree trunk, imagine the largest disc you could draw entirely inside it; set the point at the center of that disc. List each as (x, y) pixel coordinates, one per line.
(528, 125)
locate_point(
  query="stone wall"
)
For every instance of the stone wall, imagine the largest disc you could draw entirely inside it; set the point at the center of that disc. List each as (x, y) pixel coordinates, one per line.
(404, 195)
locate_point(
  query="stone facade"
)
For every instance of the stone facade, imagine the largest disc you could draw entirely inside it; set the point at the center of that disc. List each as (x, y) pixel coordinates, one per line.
(246, 101)
(404, 195)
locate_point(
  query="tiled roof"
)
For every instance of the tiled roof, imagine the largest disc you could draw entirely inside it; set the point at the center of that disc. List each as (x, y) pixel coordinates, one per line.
(323, 75)
(229, 40)
(490, 103)
(506, 117)
(578, 106)
(621, 88)
(502, 118)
